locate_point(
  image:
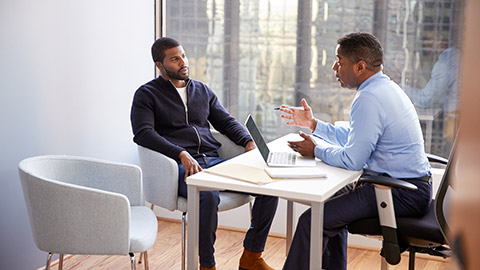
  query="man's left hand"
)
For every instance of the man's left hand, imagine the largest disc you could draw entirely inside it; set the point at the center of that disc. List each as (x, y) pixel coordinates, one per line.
(305, 147)
(250, 146)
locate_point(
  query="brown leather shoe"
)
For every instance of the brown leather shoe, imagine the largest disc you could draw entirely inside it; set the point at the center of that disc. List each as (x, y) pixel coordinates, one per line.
(253, 261)
(208, 268)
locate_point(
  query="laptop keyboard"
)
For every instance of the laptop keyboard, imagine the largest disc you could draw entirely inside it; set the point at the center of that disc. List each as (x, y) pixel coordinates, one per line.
(282, 158)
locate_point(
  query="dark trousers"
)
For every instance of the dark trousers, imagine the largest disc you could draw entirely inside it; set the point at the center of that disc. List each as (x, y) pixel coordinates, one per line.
(263, 213)
(346, 206)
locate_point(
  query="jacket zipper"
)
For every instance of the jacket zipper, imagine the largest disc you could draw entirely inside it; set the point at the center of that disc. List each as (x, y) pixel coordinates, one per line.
(186, 117)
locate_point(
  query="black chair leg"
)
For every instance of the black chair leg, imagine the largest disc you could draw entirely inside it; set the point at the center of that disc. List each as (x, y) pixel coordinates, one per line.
(411, 260)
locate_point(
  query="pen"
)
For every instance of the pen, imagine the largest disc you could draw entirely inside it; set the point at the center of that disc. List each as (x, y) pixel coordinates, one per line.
(278, 108)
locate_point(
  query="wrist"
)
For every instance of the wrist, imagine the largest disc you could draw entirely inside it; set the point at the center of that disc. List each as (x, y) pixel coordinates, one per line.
(313, 124)
(182, 154)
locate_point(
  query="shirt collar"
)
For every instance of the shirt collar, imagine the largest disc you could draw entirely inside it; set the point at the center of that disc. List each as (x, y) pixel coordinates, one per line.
(371, 79)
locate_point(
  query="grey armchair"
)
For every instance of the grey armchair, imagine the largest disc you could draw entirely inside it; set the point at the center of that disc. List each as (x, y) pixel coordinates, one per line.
(161, 182)
(86, 206)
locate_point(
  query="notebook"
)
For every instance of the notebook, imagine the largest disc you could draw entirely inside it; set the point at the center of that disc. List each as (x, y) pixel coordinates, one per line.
(276, 159)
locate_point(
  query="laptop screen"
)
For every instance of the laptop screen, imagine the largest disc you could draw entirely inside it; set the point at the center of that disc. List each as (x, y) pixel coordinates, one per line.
(257, 137)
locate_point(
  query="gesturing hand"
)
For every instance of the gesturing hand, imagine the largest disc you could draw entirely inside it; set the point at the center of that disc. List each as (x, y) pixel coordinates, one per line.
(305, 147)
(300, 116)
(189, 163)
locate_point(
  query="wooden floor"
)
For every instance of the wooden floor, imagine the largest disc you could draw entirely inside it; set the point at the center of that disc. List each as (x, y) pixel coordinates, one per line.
(165, 254)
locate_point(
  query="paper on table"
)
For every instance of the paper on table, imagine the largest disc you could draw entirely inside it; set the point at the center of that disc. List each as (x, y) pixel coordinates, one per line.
(241, 172)
(299, 172)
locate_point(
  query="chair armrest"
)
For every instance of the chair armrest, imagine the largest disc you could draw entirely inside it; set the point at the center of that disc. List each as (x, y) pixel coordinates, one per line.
(437, 159)
(386, 213)
(387, 181)
(160, 178)
(228, 149)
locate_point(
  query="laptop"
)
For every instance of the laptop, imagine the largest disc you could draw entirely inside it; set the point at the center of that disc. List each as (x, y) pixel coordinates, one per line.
(276, 159)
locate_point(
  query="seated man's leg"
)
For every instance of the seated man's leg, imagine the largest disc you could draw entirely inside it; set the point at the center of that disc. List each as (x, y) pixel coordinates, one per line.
(209, 201)
(263, 213)
(342, 209)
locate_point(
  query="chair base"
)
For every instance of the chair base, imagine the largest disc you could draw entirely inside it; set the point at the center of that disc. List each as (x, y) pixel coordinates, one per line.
(60, 261)
(49, 261)
(440, 251)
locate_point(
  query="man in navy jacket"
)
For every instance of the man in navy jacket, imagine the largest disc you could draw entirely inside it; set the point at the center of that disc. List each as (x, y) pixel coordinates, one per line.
(172, 115)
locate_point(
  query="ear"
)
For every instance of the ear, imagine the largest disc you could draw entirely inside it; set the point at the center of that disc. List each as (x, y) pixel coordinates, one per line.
(159, 65)
(360, 67)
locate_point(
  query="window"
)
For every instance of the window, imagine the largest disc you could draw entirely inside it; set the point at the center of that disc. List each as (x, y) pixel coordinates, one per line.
(258, 54)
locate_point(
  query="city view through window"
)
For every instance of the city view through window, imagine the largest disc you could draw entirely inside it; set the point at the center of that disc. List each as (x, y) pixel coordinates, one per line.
(258, 54)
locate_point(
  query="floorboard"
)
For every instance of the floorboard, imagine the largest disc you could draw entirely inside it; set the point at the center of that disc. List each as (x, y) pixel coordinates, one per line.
(166, 254)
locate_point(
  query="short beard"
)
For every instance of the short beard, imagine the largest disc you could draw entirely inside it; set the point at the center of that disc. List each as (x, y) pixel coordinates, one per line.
(176, 75)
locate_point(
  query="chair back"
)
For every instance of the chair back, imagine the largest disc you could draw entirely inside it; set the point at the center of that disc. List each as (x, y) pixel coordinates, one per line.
(228, 148)
(444, 194)
(69, 213)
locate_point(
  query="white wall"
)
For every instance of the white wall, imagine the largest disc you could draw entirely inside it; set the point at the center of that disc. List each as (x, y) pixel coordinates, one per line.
(68, 71)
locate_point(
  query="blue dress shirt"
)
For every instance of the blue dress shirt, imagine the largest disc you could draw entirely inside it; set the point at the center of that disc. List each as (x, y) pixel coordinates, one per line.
(384, 134)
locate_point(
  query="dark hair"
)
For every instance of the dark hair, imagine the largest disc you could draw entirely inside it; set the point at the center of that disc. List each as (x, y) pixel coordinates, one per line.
(362, 46)
(160, 46)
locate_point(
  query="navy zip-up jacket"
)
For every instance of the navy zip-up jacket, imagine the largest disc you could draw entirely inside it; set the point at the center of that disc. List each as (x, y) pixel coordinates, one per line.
(161, 122)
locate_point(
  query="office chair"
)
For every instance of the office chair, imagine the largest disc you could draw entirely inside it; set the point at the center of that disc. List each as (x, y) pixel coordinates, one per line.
(161, 182)
(426, 234)
(81, 205)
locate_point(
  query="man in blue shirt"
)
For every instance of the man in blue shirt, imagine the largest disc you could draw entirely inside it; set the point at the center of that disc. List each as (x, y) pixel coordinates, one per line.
(383, 137)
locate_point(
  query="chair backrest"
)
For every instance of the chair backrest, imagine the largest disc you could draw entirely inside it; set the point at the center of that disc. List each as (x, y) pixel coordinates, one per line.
(444, 193)
(228, 148)
(67, 215)
(160, 173)
(87, 172)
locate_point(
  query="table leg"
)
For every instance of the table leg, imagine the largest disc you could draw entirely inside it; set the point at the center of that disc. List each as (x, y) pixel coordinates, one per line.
(316, 240)
(193, 227)
(428, 135)
(289, 225)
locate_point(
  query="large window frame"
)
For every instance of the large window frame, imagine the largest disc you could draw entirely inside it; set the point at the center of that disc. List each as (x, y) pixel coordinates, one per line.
(258, 97)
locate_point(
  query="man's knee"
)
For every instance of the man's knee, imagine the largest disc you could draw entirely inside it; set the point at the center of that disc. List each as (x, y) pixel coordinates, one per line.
(210, 199)
(267, 200)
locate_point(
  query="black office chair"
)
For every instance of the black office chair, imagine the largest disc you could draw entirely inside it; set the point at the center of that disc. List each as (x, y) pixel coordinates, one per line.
(426, 234)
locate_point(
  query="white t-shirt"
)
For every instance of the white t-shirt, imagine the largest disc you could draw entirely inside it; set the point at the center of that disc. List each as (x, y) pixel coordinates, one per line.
(183, 94)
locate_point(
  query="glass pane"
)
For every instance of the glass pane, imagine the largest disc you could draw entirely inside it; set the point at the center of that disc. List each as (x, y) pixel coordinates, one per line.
(259, 54)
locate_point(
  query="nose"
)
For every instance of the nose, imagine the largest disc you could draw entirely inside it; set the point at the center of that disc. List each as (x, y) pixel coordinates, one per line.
(335, 65)
(183, 61)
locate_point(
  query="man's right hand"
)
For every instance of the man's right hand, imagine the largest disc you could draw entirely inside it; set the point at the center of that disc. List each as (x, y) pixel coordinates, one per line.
(189, 163)
(300, 116)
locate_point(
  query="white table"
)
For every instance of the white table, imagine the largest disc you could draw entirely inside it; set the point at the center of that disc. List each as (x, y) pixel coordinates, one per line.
(428, 116)
(309, 191)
